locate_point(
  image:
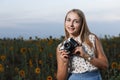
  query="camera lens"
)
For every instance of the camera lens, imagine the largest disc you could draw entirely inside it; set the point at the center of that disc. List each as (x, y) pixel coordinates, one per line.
(67, 46)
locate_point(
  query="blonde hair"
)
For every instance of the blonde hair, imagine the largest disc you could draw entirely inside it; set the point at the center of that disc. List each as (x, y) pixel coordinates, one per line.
(84, 30)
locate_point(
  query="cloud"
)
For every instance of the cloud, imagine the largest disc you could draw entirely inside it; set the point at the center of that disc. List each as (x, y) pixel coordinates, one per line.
(107, 16)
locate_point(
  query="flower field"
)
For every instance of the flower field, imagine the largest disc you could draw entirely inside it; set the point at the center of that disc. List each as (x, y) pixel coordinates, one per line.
(35, 59)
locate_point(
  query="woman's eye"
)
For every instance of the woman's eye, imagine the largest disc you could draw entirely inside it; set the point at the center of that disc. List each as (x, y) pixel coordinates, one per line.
(67, 19)
(76, 21)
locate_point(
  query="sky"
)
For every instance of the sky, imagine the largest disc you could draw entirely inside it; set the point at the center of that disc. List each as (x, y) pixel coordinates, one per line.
(44, 18)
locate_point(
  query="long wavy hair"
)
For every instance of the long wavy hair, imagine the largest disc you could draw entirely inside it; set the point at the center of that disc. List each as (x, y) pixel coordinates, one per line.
(84, 30)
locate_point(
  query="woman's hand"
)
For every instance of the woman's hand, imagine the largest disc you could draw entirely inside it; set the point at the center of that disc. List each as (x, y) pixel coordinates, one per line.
(80, 51)
(63, 56)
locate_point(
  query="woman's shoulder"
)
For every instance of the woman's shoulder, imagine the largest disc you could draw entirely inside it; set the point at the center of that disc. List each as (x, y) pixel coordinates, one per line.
(93, 36)
(59, 45)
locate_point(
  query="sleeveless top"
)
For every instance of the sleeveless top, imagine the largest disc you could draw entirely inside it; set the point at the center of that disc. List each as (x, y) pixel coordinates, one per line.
(80, 65)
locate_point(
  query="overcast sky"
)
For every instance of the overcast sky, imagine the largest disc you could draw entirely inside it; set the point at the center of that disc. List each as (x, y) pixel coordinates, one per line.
(44, 18)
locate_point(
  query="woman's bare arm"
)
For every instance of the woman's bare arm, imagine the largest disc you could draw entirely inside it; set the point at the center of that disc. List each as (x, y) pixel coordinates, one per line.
(62, 64)
(100, 60)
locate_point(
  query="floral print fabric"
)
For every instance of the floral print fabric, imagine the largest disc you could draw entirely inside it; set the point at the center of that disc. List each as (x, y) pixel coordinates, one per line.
(79, 64)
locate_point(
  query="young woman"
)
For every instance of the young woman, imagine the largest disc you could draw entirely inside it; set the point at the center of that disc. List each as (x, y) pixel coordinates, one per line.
(87, 58)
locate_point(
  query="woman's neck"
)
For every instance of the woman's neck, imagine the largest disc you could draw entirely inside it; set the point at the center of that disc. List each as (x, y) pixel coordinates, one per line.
(77, 38)
(74, 36)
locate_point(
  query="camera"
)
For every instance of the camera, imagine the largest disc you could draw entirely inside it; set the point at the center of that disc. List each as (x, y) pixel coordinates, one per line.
(69, 45)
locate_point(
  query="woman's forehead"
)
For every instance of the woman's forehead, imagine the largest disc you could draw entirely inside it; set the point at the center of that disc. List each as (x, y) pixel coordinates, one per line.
(73, 15)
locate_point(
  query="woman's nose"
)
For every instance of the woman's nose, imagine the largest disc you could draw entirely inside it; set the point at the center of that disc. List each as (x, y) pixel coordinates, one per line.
(71, 24)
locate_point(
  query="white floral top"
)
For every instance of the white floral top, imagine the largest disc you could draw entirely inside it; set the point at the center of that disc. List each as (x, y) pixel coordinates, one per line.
(80, 65)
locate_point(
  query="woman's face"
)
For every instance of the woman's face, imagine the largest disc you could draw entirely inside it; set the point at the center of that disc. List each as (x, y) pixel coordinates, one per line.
(72, 24)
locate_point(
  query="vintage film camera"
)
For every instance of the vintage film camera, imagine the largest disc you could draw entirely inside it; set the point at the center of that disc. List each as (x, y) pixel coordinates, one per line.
(69, 45)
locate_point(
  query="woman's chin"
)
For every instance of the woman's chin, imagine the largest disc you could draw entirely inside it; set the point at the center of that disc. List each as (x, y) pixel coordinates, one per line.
(71, 31)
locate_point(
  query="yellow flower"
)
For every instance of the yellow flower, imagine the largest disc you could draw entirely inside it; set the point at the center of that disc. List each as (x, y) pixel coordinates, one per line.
(40, 62)
(114, 65)
(30, 63)
(41, 49)
(49, 78)
(50, 42)
(23, 50)
(16, 69)
(3, 57)
(37, 70)
(22, 73)
(11, 48)
(1, 68)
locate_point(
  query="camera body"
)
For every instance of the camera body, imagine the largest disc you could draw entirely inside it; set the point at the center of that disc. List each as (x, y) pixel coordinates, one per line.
(69, 45)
